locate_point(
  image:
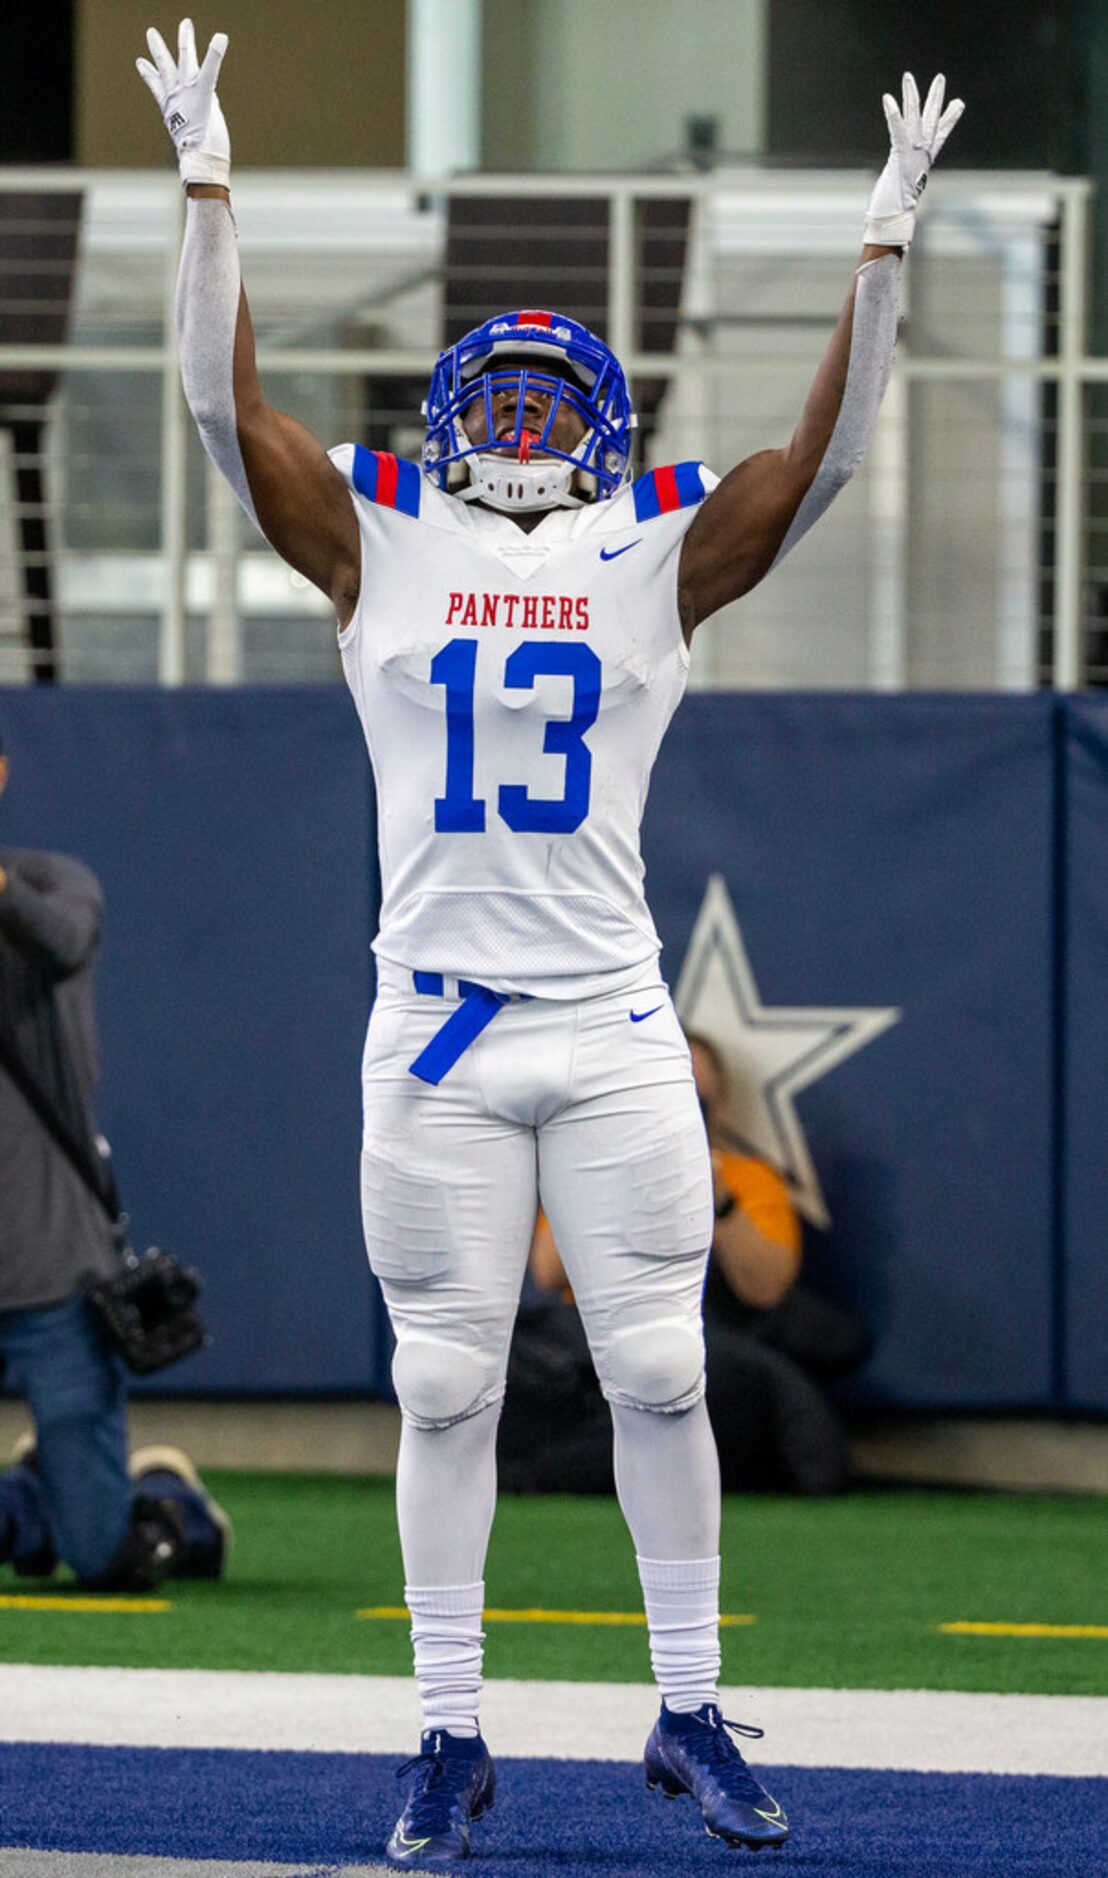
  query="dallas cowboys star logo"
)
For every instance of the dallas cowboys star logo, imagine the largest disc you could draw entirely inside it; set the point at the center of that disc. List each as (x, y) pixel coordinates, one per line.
(774, 1051)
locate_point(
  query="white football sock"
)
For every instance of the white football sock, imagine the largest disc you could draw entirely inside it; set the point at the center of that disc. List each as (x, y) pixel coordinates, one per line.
(682, 1613)
(447, 1644)
(445, 1499)
(667, 1477)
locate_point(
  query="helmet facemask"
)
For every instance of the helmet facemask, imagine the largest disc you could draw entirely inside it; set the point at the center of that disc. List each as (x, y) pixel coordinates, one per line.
(524, 470)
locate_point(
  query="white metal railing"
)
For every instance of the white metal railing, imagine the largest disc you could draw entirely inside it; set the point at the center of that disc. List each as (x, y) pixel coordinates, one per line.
(305, 238)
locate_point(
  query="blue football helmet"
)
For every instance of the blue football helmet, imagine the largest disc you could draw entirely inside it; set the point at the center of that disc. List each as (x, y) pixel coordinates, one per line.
(529, 351)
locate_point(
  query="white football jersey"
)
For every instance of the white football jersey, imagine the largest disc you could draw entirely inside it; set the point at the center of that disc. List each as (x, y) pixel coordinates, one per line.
(513, 689)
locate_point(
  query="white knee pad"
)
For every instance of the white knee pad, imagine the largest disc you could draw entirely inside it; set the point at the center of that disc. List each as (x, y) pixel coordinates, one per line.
(438, 1383)
(657, 1366)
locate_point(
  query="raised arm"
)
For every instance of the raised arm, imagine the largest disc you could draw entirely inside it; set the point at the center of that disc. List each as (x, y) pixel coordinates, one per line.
(282, 476)
(764, 506)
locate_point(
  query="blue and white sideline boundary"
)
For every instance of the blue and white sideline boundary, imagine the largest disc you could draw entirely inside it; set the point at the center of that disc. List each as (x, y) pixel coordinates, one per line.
(921, 1730)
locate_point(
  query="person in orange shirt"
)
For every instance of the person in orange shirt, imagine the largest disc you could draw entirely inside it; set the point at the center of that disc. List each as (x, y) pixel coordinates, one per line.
(756, 1245)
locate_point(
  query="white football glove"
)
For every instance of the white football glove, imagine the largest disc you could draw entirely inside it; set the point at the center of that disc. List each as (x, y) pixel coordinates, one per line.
(917, 137)
(185, 95)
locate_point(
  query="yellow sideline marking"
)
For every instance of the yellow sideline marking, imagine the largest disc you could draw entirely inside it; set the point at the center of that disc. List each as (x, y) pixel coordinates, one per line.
(1025, 1630)
(110, 1607)
(401, 1612)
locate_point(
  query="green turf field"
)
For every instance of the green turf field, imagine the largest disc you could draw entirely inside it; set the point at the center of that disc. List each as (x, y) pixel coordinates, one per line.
(845, 1593)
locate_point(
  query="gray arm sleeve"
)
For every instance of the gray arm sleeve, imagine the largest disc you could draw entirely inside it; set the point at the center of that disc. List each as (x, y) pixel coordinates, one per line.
(208, 288)
(872, 340)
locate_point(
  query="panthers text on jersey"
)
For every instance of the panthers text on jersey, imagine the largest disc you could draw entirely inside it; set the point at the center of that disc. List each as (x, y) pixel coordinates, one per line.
(514, 689)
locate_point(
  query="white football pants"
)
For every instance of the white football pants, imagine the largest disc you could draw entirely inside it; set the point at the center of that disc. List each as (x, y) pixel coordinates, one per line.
(588, 1107)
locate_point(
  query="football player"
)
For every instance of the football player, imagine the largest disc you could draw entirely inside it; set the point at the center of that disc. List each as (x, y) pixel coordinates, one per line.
(514, 617)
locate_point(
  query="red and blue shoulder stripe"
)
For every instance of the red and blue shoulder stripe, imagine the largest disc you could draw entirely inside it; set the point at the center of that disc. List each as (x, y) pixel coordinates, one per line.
(660, 491)
(389, 480)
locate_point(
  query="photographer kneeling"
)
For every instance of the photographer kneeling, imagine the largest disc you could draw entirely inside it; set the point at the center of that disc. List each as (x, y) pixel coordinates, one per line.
(70, 1497)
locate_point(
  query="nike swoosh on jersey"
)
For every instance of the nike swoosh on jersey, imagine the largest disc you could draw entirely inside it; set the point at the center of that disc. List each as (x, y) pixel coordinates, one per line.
(612, 554)
(638, 1016)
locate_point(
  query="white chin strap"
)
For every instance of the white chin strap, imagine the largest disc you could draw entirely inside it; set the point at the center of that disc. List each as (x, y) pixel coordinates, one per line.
(501, 483)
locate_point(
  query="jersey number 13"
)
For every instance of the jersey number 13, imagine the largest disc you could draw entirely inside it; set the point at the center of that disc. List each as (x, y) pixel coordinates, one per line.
(459, 811)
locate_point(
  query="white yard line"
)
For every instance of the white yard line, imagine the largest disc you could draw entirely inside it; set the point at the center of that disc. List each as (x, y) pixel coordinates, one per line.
(919, 1729)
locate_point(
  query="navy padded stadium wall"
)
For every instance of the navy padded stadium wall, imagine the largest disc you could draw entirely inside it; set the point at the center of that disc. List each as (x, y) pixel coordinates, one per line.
(1083, 1091)
(879, 852)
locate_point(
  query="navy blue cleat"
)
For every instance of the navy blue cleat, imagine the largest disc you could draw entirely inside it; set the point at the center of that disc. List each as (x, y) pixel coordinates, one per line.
(453, 1783)
(695, 1754)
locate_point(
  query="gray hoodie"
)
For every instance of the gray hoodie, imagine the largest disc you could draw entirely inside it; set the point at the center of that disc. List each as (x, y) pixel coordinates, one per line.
(51, 1228)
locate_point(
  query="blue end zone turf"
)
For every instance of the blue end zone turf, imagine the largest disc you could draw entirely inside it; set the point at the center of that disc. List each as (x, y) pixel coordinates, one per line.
(555, 1819)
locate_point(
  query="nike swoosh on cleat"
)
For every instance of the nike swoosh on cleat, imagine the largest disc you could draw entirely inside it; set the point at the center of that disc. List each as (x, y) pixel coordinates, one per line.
(638, 1016)
(776, 1818)
(404, 1844)
(613, 554)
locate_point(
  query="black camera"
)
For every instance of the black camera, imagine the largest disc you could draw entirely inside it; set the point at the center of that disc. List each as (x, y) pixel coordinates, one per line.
(147, 1312)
